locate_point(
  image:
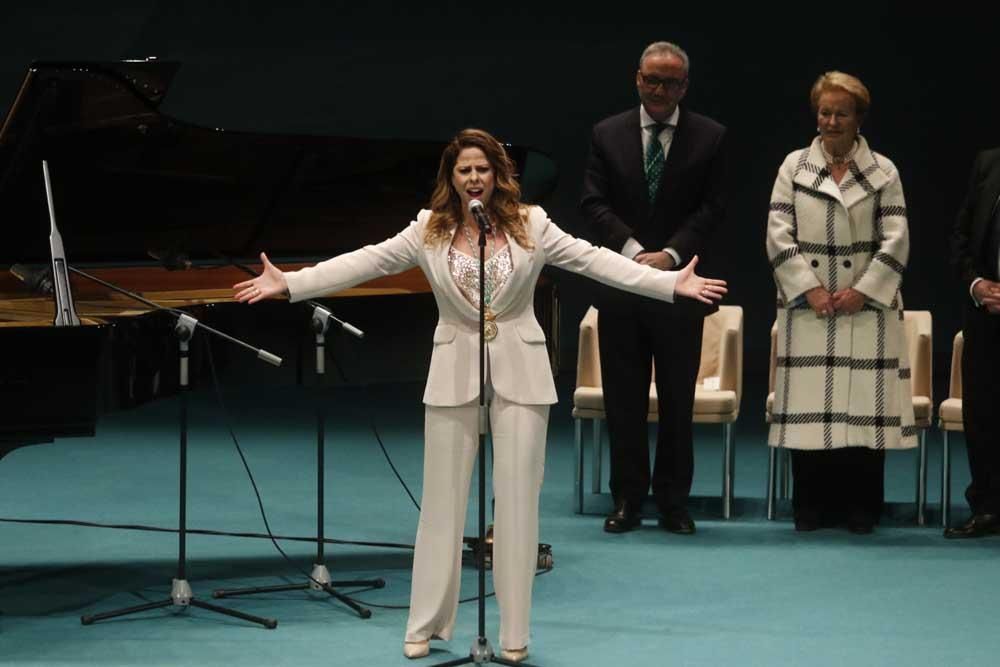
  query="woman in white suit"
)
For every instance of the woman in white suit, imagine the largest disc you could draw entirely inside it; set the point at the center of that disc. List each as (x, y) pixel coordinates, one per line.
(442, 242)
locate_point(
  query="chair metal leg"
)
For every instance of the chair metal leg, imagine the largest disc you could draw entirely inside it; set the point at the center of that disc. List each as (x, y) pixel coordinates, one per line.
(578, 465)
(772, 474)
(945, 481)
(596, 447)
(786, 474)
(922, 478)
(728, 472)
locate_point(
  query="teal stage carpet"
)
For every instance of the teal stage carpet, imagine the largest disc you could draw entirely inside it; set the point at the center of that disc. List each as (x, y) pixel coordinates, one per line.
(740, 592)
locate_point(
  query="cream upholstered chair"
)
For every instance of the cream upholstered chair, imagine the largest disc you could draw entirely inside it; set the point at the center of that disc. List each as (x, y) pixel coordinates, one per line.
(772, 452)
(716, 400)
(917, 325)
(950, 419)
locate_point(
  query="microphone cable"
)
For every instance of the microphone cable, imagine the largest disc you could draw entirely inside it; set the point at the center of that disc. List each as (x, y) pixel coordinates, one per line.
(269, 535)
(371, 420)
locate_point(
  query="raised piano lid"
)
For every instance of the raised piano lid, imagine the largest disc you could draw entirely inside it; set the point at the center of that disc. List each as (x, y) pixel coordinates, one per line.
(129, 180)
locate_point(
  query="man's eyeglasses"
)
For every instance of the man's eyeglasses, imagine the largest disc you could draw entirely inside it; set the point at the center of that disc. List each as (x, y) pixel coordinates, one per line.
(670, 84)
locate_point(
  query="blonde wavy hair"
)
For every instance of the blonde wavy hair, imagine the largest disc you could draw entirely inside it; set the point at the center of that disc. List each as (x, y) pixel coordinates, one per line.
(504, 207)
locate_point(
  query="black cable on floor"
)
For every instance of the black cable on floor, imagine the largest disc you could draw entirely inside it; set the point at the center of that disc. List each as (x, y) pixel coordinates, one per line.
(269, 535)
(371, 420)
(204, 531)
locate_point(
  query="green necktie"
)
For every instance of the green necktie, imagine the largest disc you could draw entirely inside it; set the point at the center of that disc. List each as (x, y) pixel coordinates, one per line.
(654, 160)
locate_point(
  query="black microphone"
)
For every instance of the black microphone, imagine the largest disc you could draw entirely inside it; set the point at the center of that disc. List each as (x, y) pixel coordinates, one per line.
(479, 213)
(171, 259)
(38, 280)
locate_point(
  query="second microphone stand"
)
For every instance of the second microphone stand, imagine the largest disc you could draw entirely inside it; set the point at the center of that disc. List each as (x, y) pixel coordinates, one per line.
(319, 578)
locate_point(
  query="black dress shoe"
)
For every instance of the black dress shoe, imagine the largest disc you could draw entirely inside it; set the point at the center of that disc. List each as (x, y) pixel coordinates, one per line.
(625, 518)
(677, 521)
(860, 527)
(978, 525)
(806, 524)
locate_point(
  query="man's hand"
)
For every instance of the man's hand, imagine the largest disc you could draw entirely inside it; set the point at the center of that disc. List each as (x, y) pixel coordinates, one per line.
(987, 293)
(658, 260)
(848, 301)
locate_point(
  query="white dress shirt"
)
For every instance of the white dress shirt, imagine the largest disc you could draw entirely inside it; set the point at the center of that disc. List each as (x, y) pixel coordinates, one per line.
(646, 122)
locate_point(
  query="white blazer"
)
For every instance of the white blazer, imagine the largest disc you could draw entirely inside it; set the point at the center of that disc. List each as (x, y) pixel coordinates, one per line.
(518, 361)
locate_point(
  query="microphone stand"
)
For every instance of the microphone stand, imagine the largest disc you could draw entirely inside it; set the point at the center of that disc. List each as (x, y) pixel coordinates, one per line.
(481, 650)
(181, 596)
(319, 578)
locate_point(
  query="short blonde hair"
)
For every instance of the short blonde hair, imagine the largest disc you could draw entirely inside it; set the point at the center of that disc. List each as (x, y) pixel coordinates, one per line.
(851, 85)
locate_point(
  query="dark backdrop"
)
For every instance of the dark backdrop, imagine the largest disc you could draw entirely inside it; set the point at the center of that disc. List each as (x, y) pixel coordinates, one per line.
(541, 74)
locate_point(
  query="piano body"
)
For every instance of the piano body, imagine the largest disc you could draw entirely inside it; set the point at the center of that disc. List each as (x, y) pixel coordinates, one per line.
(130, 182)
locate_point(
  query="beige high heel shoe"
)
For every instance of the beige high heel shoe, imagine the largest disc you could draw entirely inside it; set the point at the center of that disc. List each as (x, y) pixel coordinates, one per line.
(414, 650)
(514, 654)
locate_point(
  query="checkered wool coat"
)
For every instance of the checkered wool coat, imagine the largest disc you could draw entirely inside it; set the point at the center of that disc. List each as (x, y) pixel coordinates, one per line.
(842, 381)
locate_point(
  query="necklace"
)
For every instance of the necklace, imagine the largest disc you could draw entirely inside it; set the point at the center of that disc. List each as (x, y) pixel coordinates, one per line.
(490, 329)
(839, 159)
(474, 247)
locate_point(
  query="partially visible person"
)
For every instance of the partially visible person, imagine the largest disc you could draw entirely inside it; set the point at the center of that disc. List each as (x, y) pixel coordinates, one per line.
(654, 191)
(976, 259)
(838, 243)
(442, 241)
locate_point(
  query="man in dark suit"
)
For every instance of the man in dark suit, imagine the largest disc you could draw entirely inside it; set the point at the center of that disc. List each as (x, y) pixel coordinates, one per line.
(654, 191)
(975, 250)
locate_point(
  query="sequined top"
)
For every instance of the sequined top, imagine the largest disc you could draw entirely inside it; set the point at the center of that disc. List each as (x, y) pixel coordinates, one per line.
(465, 272)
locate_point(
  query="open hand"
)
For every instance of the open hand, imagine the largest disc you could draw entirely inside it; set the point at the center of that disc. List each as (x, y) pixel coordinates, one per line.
(270, 283)
(690, 284)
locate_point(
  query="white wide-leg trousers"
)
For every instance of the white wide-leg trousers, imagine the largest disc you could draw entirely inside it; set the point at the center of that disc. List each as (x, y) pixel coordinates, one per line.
(451, 440)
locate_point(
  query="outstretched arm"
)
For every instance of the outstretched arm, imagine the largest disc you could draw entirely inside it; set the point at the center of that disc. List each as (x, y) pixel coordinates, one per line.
(392, 256)
(611, 268)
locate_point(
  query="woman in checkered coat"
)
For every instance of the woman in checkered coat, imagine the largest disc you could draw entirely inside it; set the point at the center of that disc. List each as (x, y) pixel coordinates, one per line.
(838, 243)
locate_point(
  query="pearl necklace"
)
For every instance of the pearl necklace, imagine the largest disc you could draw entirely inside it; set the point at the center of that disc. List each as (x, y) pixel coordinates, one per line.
(839, 159)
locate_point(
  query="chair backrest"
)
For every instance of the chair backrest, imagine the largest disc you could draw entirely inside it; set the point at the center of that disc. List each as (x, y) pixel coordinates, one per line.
(955, 384)
(588, 356)
(721, 350)
(918, 326)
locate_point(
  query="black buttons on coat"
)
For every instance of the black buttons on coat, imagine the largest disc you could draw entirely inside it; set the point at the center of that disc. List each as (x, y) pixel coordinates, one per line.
(847, 263)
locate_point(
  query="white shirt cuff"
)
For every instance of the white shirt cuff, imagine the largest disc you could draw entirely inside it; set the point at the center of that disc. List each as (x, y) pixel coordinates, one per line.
(972, 294)
(673, 253)
(632, 248)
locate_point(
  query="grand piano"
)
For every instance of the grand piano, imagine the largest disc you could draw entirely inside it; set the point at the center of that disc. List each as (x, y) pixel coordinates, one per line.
(138, 195)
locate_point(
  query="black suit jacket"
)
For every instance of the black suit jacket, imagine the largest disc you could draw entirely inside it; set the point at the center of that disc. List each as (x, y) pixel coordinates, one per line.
(691, 201)
(970, 254)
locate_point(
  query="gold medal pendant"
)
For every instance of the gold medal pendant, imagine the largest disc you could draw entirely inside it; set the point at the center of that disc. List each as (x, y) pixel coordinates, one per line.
(490, 329)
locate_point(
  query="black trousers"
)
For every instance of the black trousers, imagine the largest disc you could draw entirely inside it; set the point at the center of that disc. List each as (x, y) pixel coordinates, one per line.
(981, 407)
(633, 333)
(832, 485)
